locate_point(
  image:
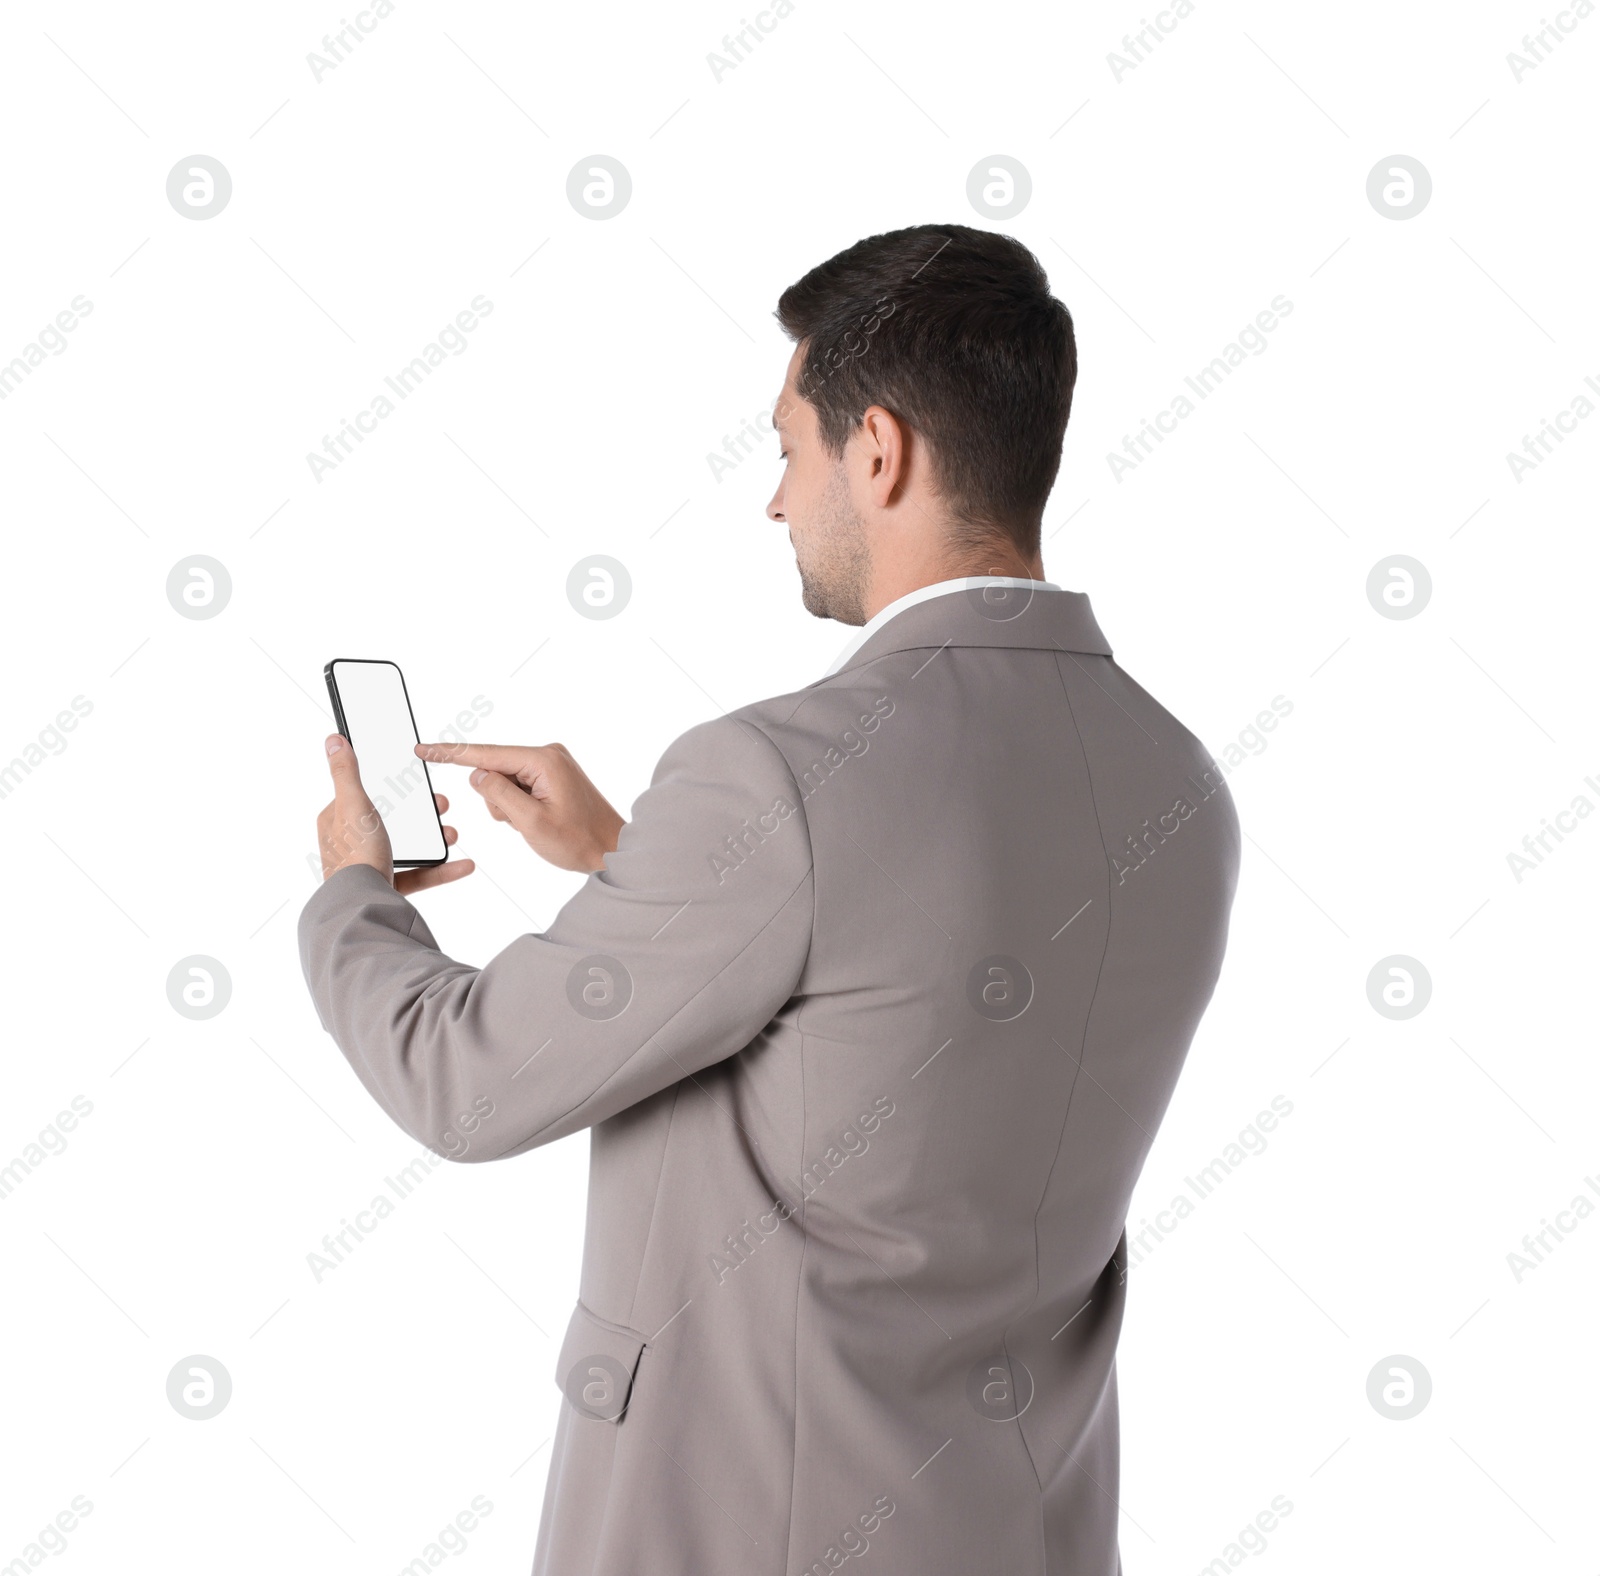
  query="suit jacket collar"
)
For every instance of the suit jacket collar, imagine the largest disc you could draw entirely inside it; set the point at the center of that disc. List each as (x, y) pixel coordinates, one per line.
(987, 616)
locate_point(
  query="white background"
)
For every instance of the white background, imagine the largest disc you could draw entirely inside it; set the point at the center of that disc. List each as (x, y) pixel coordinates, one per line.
(1169, 207)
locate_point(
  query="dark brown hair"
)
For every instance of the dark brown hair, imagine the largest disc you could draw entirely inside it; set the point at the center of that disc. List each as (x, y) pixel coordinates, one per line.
(954, 331)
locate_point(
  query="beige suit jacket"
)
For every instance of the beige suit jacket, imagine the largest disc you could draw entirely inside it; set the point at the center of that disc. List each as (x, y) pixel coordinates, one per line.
(872, 1016)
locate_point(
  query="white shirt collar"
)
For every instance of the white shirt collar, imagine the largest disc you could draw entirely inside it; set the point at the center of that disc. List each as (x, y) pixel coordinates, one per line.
(922, 594)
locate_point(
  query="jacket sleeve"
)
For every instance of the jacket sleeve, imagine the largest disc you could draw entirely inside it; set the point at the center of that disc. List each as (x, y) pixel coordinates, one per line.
(673, 957)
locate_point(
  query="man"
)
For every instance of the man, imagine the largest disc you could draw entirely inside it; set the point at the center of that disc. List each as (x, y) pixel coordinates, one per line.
(873, 1008)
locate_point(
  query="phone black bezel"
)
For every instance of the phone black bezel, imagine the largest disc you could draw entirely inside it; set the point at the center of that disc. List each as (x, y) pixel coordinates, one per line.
(338, 717)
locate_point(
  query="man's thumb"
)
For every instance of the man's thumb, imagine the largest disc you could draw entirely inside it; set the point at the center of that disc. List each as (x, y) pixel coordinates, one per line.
(342, 764)
(506, 796)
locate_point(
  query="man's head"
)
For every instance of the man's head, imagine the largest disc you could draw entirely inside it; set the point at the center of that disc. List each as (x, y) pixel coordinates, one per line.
(922, 415)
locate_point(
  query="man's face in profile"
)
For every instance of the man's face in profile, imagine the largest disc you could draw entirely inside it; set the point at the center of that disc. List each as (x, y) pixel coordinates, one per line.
(813, 500)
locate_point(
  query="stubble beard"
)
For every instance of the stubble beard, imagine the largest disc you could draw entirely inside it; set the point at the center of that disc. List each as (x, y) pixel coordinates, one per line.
(835, 565)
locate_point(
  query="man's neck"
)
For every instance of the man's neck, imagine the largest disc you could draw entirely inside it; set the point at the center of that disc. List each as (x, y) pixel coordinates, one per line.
(890, 582)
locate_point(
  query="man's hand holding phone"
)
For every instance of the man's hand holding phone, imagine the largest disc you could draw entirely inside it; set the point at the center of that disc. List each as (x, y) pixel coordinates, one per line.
(539, 790)
(351, 832)
(542, 792)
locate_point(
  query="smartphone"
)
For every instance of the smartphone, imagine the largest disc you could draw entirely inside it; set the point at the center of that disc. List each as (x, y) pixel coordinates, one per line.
(373, 711)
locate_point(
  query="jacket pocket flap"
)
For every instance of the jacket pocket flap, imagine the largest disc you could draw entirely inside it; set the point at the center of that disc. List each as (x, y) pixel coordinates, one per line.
(596, 1367)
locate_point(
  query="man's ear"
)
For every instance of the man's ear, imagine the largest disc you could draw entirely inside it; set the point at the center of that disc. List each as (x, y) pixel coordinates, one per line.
(884, 440)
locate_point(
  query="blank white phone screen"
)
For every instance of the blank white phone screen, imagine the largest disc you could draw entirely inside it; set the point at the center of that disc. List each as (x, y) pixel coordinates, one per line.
(378, 717)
